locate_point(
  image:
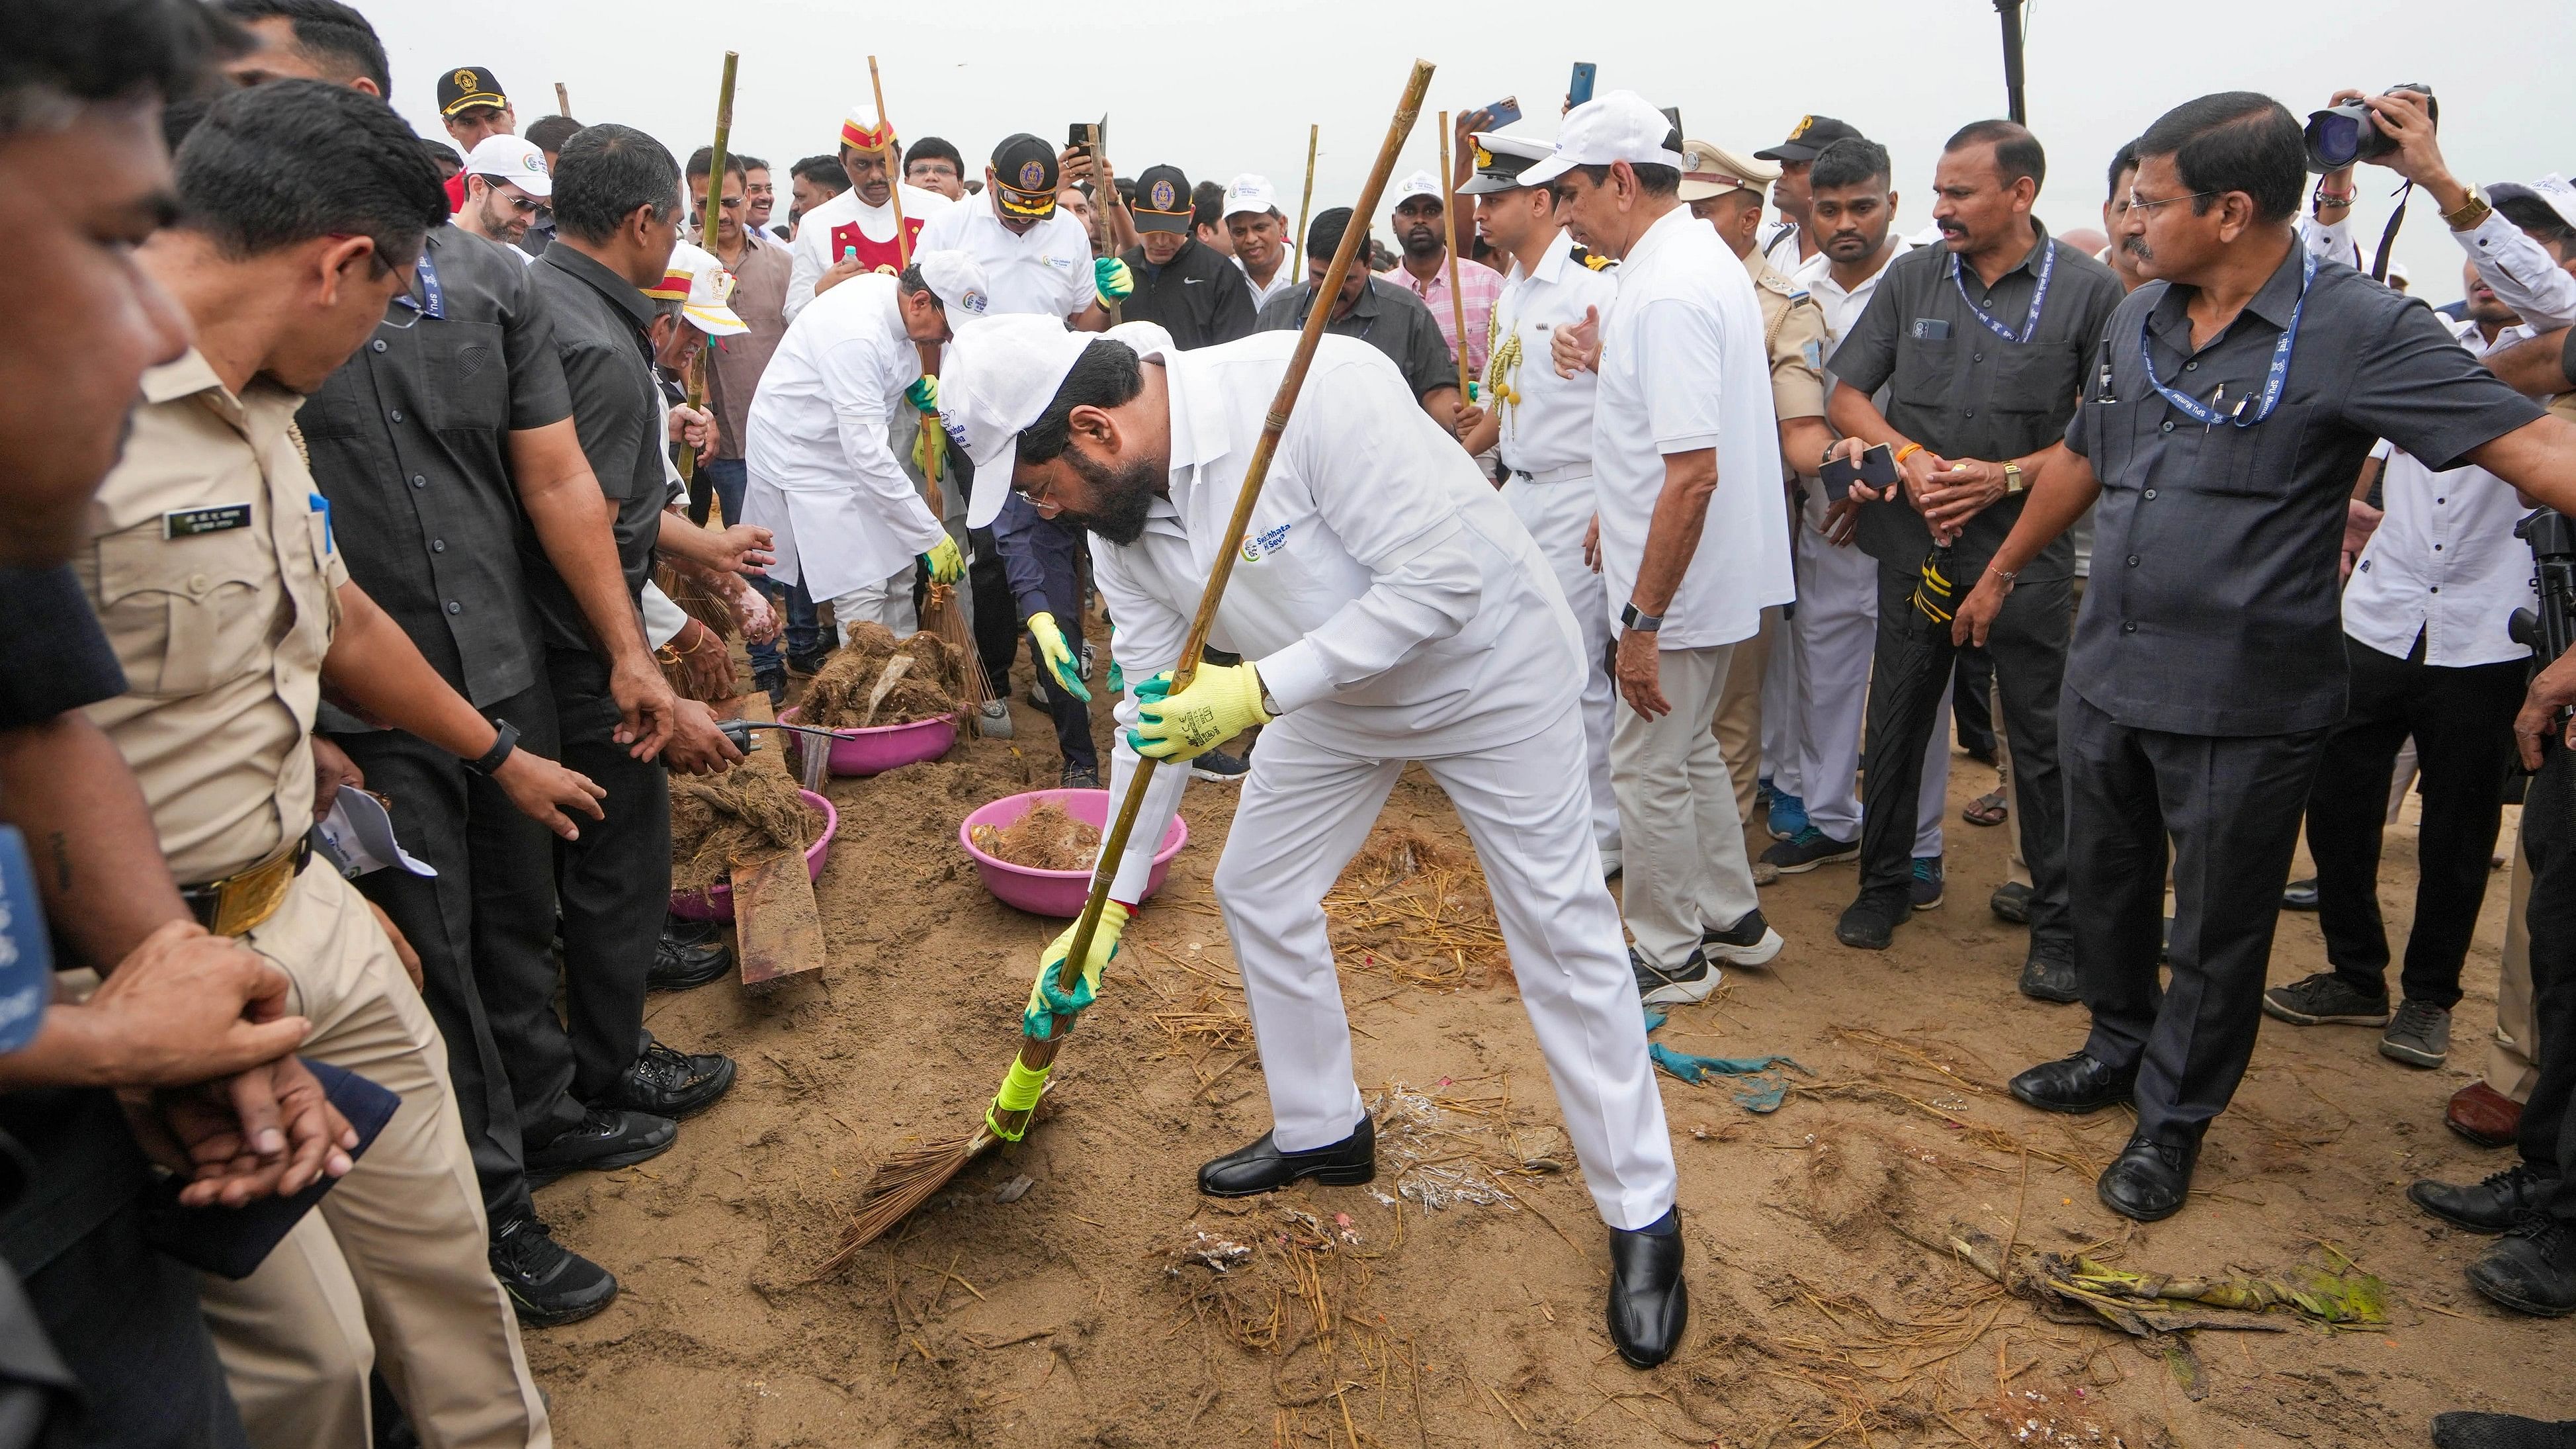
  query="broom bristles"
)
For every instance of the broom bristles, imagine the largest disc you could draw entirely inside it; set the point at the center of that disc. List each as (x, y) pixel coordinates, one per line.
(941, 616)
(900, 1184)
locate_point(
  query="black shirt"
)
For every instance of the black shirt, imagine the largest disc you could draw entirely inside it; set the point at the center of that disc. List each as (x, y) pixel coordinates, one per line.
(410, 443)
(600, 320)
(1198, 296)
(1390, 319)
(55, 658)
(1963, 391)
(2214, 606)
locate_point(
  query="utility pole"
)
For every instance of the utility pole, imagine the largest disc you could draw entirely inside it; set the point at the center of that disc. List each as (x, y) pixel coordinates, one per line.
(2009, 11)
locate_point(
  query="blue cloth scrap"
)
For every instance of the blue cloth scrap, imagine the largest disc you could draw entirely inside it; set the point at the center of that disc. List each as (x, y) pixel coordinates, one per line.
(1763, 1095)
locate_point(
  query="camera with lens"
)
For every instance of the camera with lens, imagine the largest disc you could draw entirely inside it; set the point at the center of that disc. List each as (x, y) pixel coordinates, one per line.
(2340, 136)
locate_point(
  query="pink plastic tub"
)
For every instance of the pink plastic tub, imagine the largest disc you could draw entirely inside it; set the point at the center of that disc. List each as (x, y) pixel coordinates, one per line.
(715, 903)
(1056, 893)
(879, 748)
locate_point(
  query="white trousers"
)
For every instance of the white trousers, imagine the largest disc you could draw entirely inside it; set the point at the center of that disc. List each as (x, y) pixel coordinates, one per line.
(1837, 633)
(1685, 862)
(1307, 808)
(1557, 514)
(888, 602)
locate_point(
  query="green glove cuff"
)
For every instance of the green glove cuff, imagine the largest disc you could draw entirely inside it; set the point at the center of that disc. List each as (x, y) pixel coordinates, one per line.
(923, 393)
(1058, 654)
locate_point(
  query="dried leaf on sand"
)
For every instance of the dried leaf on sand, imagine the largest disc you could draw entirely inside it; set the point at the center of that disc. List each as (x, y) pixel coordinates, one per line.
(1047, 838)
(843, 694)
(739, 818)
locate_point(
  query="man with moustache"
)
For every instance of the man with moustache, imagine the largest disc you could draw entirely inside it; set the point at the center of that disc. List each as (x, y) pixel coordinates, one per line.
(1422, 230)
(1260, 233)
(1390, 318)
(506, 186)
(852, 234)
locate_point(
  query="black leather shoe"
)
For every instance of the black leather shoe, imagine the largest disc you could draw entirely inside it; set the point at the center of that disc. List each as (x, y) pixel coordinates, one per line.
(681, 965)
(2011, 902)
(2149, 1180)
(2491, 1206)
(2073, 1084)
(604, 1142)
(673, 1084)
(1262, 1167)
(1869, 923)
(2300, 895)
(2048, 973)
(1649, 1302)
(2531, 1269)
(2460, 1429)
(548, 1283)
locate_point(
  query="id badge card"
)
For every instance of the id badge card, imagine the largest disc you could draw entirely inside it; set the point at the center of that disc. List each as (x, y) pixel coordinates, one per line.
(26, 953)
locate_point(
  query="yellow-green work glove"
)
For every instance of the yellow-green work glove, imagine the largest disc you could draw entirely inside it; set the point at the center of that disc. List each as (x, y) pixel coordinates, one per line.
(1058, 655)
(929, 450)
(1111, 279)
(923, 393)
(1223, 701)
(1046, 1003)
(945, 563)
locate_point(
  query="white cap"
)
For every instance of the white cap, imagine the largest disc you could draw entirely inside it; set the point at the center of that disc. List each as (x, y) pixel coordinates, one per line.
(957, 280)
(997, 378)
(1250, 193)
(507, 158)
(1420, 183)
(1620, 126)
(702, 287)
(2553, 188)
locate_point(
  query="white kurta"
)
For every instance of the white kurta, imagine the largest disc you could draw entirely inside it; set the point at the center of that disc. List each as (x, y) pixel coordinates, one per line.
(812, 249)
(1396, 611)
(822, 476)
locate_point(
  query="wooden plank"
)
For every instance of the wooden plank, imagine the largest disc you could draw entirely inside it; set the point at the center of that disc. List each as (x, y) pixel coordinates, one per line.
(778, 928)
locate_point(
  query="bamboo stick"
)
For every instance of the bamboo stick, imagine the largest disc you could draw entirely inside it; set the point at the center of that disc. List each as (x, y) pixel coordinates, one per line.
(701, 494)
(1449, 222)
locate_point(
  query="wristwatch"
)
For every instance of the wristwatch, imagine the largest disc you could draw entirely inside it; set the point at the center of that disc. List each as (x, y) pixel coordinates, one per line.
(2012, 478)
(1269, 706)
(501, 747)
(1629, 618)
(2471, 212)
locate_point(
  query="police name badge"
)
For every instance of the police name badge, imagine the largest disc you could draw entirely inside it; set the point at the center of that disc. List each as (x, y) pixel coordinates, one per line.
(215, 518)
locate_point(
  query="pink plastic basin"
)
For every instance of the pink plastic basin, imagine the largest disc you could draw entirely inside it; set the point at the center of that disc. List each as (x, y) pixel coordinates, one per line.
(715, 903)
(1057, 893)
(879, 748)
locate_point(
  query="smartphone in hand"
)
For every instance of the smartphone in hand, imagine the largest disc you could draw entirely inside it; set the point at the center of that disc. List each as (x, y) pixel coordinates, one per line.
(1875, 470)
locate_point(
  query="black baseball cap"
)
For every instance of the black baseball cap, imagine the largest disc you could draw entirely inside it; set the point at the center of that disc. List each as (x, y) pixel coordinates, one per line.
(1809, 138)
(1025, 176)
(1162, 200)
(469, 85)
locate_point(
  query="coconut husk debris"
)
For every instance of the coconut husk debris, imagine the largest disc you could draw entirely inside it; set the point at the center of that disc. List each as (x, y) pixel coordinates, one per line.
(1047, 838)
(877, 679)
(739, 818)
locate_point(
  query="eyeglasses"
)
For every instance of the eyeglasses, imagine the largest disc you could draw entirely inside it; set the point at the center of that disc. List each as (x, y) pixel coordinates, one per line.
(2137, 204)
(521, 203)
(1040, 496)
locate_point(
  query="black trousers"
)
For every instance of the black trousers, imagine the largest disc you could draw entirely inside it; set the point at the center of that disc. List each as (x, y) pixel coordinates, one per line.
(1058, 555)
(2462, 721)
(484, 927)
(614, 889)
(2548, 1132)
(1972, 716)
(1910, 670)
(124, 1319)
(2231, 805)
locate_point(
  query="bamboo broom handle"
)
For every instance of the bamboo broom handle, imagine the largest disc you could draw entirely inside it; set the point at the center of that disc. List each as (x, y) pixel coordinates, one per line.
(1449, 219)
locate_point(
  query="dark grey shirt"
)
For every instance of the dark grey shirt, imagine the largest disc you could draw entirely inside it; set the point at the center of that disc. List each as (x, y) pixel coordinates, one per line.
(1390, 319)
(410, 444)
(2213, 607)
(1963, 391)
(600, 320)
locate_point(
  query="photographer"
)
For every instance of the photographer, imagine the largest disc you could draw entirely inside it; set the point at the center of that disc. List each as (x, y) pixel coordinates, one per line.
(2222, 426)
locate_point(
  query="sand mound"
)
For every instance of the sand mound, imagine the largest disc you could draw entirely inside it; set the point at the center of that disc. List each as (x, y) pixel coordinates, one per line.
(738, 818)
(844, 692)
(1047, 838)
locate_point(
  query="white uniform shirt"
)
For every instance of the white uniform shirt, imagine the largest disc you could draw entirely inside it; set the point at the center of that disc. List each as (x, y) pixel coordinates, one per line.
(823, 476)
(1291, 272)
(812, 249)
(1683, 368)
(2453, 532)
(1384, 588)
(1842, 308)
(1546, 420)
(1046, 271)
(1780, 248)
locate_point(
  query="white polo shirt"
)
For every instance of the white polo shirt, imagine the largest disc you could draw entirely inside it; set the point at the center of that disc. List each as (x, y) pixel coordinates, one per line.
(1545, 420)
(1842, 307)
(2444, 562)
(1683, 368)
(1046, 270)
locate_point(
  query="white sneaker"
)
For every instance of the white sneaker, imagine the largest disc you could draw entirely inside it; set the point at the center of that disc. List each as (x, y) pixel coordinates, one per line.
(1693, 980)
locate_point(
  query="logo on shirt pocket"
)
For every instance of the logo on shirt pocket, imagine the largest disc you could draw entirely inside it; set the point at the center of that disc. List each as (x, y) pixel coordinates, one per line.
(1261, 547)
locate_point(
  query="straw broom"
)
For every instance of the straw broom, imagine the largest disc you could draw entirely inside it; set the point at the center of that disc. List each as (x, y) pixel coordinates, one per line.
(939, 612)
(907, 1180)
(1449, 219)
(701, 494)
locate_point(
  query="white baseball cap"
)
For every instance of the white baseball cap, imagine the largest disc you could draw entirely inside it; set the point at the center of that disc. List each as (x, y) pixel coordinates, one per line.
(702, 287)
(957, 280)
(1420, 183)
(507, 158)
(997, 378)
(1621, 126)
(1252, 193)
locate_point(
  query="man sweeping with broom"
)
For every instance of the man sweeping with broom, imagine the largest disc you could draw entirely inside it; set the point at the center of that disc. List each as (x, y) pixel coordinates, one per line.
(1388, 608)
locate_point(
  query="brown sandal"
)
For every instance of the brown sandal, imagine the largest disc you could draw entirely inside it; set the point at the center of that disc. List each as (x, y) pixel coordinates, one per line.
(1986, 809)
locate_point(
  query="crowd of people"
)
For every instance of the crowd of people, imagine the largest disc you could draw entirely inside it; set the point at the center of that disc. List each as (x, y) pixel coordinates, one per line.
(1655, 494)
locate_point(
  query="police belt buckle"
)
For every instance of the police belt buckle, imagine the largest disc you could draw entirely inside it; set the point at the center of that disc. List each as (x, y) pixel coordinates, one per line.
(241, 902)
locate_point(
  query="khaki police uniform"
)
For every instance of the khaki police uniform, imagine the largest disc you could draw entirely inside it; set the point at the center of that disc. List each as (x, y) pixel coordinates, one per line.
(212, 567)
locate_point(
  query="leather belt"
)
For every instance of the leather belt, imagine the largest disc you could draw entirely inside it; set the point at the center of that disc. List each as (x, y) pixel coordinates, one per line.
(239, 903)
(1566, 474)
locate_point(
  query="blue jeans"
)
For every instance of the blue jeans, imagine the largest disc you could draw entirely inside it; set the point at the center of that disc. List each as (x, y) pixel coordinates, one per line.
(727, 476)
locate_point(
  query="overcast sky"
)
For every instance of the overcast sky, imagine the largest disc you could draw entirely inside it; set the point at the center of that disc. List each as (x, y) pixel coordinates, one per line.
(1221, 89)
